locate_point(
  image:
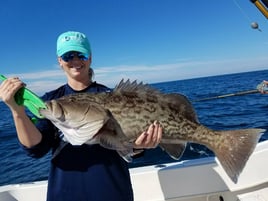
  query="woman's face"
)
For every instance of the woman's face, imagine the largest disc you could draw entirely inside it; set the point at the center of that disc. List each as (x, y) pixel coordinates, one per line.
(75, 65)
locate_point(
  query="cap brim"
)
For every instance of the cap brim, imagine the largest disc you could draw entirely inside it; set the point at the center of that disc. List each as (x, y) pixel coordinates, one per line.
(74, 48)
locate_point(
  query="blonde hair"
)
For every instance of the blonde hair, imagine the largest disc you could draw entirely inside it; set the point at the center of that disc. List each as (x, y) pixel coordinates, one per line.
(91, 73)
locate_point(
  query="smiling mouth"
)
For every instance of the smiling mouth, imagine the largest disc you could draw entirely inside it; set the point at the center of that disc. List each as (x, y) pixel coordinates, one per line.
(77, 67)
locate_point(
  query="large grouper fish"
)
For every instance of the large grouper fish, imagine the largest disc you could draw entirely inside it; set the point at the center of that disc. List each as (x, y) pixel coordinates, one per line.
(115, 119)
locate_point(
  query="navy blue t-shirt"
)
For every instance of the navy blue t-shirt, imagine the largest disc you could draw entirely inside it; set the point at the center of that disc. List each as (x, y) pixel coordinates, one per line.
(81, 173)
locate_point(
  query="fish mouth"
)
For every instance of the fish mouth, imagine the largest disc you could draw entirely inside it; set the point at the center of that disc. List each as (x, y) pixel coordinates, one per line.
(43, 111)
(53, 111)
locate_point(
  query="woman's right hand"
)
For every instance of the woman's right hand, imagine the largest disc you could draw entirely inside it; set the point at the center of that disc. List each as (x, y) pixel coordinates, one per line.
(28, 134)
(8, 89)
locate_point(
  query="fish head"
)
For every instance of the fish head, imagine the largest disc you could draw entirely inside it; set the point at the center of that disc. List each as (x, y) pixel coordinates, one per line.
(70, 110)
(79, 120)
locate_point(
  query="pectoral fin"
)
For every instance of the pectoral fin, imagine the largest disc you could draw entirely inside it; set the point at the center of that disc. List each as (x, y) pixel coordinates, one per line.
(111, 136)
(175, 151)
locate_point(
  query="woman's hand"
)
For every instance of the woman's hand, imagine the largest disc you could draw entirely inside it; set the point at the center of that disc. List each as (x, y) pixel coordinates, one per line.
(264, 86)
(8, 89)
(151, 138)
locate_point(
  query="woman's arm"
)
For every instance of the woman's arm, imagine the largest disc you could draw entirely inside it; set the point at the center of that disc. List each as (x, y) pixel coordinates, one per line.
(28, 134)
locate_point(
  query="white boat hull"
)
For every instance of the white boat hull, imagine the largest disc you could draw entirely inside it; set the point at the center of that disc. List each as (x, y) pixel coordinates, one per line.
(193, 180)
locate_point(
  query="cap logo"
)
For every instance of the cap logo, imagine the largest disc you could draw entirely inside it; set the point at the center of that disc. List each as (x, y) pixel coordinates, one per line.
(67, 38)
(77, 37)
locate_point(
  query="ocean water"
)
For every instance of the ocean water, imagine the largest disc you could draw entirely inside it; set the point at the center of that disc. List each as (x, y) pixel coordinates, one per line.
(234, 112)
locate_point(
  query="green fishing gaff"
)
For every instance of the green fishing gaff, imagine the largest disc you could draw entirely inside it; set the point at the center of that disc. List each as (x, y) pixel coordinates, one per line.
(30, 100)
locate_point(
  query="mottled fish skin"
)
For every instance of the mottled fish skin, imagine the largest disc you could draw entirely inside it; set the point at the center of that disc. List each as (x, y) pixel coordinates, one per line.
(119, 117)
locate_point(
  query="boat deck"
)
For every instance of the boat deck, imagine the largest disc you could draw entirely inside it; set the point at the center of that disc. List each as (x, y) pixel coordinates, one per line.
(193, 180)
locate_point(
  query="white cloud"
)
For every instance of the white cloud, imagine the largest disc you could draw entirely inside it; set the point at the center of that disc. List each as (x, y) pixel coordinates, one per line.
(43, 81)
(177, 71)
(40, 75)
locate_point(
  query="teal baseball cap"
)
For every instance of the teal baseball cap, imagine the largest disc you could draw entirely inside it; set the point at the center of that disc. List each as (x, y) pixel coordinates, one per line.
(73, 41)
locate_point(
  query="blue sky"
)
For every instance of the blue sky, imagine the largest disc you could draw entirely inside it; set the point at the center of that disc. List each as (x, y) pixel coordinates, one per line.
(148, 40)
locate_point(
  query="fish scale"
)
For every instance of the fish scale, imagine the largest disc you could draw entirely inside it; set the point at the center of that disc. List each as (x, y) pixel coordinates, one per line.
(117, 118)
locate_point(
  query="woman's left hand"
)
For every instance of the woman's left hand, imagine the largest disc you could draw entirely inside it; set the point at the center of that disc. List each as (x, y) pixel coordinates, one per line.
(150, 138)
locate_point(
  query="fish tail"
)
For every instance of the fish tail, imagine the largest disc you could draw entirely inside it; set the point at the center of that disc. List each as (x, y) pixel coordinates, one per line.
(235, 149)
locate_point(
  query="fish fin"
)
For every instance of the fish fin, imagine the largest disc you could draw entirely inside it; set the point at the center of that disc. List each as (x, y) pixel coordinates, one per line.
(180, 103)
(111, 136)
(109, 140)
(62, 145)
(176, 102)
(235, 149)
(126, 154)
(127, 86)
(175, 151)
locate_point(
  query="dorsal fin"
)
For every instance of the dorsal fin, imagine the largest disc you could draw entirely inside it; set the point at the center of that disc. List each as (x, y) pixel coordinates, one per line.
(175, 101)
(134, 86)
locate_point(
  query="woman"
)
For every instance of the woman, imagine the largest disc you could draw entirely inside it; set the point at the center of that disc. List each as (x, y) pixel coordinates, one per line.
(86, 172)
